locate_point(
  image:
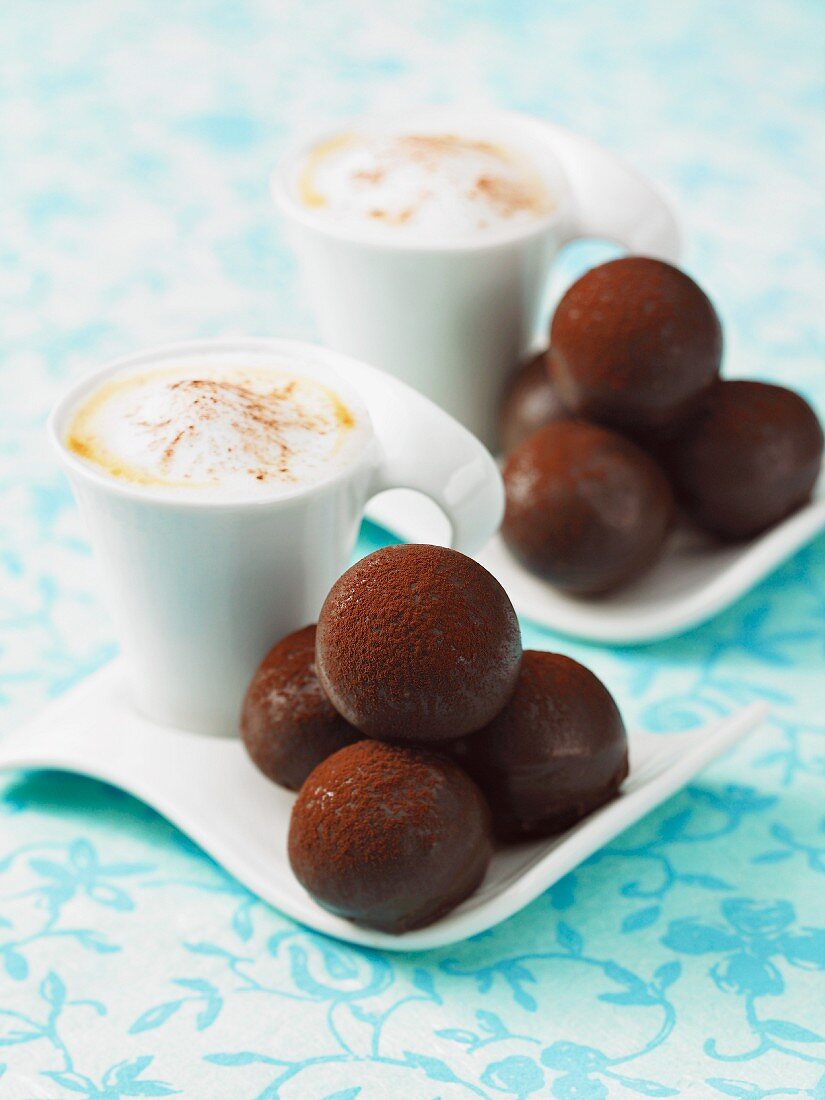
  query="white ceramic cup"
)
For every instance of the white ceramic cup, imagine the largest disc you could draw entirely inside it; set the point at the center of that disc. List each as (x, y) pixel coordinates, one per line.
(452, 318)
(200, 589)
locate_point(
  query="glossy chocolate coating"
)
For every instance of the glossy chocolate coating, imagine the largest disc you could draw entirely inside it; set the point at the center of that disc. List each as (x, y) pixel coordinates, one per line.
(635, 343)
(418, 644)
(530, 401)
(556, 752)
(389, 836)
(287, 723)
(586, 508)
(748, 458)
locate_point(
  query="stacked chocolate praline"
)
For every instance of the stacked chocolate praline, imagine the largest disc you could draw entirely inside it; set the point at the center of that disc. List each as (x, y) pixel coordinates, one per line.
(625, 421)
(417, 730)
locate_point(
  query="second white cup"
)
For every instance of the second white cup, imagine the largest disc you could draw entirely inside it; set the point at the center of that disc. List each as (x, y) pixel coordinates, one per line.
(453, 318)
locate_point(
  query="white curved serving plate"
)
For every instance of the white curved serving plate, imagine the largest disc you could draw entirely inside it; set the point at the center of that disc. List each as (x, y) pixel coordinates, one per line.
(209, 789)
(695, 579)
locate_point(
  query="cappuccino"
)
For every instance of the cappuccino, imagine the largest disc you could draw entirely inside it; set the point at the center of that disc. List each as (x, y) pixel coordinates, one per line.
(219, 430)
(427, 186)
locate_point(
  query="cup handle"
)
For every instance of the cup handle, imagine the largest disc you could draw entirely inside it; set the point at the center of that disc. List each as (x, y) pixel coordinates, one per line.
(425, 449)
(612, 201)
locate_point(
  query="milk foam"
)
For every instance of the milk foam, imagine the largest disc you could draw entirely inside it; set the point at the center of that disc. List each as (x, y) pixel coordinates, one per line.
(424, 186)
(222, 431)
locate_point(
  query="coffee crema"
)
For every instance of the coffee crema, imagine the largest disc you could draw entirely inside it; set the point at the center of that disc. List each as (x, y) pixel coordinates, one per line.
(220, 430)
(426, 186)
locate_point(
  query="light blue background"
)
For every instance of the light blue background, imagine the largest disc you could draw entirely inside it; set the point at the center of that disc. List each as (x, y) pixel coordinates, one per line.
(685, 959)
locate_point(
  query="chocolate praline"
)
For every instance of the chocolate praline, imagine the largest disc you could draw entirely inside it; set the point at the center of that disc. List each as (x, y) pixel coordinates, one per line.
(586, 509)
(418, 644)
(748, 458)
(388, 836)
(287, 723)
(530, 401)
(555, 753)
(634, 344)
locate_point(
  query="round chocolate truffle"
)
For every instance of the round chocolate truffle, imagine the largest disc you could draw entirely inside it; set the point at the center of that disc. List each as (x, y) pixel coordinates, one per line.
(748, 458)
(530, 401)
(418, 644)
(586, 508)
(556, 752)
(287, 723)
(389, 836)
(635, 343)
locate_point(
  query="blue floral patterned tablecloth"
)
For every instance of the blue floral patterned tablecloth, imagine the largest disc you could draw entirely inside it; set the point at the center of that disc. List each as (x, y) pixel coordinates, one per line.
(687, 958)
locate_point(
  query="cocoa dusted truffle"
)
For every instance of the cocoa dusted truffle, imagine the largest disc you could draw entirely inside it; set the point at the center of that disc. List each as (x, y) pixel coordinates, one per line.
(635, 343)
(748, 458)
(287, 723)
(418, 644)
(530, 401)
(586, 508)
(556, 752)
(389, 836)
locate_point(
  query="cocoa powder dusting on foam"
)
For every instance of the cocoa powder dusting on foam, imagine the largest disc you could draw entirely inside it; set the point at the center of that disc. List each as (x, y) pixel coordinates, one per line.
(261, 418)
(507, 196)
(382, 179)
(208, 429)
(428, 147)
(169, 450)
(369, 175)
(391, 219)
